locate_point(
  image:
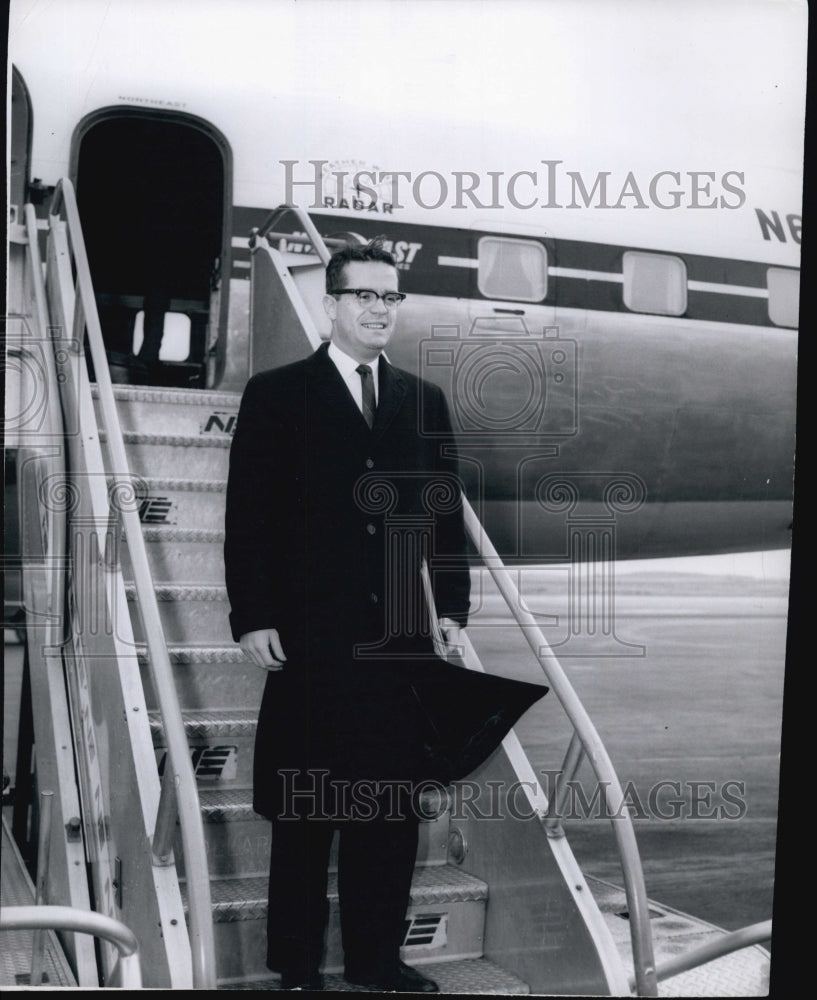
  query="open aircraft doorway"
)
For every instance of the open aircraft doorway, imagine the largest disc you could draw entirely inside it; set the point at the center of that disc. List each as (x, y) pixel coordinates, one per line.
(154, 195)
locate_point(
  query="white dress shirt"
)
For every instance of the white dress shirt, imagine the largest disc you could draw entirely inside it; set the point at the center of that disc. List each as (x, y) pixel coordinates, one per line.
(347, 367)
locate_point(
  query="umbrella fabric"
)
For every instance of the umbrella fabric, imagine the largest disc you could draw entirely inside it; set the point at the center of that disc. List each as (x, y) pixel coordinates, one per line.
(466, 716)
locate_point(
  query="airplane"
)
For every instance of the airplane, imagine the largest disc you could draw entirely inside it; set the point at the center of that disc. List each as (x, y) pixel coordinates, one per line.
(616, 333)
(690, 390)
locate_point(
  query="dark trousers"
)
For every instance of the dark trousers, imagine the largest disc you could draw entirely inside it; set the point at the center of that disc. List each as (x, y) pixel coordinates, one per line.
(375, 864)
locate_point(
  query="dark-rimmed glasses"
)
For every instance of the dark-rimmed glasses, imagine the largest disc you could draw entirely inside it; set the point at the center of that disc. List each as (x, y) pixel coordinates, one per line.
(368, 297)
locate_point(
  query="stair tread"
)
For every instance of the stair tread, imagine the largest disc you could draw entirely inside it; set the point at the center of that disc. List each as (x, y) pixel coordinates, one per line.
(180, 483)
(183, 485)
(226, 803)
(206, 653)
(170, 533)
(245, 896)
(173, 440)
(477, 976)
(182, 591)
(213, 721)
(185, 397)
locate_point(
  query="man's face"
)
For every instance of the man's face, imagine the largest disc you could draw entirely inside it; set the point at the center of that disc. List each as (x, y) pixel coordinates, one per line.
(360, 331)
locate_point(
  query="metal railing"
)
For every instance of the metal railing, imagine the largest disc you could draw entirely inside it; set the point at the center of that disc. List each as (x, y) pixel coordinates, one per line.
(51, 460)
(745, 937)
(313, 238)
(44, 918)
(179, 790)
(585, 741)
(41, 885)
(43, 492)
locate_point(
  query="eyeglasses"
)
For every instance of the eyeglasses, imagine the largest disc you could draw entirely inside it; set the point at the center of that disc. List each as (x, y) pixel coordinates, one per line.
(368, 297)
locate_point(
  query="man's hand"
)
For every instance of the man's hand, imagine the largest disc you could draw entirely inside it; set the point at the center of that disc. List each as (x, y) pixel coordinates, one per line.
(263, 648)
(451, 636)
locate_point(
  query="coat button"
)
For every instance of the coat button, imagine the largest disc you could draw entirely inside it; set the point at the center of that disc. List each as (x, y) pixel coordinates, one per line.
(374, 598)
(369, 463)
(371, 529)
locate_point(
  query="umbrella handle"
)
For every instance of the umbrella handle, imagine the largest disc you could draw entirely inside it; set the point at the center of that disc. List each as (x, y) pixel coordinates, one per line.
(440, 647)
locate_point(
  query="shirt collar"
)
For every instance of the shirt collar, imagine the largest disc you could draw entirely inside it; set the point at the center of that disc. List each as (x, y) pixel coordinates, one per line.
(347, 365)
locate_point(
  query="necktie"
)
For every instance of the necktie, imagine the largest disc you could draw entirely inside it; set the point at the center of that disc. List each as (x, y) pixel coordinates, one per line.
(366, 378)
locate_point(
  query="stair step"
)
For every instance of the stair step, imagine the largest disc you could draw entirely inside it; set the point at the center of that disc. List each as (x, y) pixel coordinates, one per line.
(449, 903)
(188, 611)
(221, 742)
(213, 724)
(476, 976)
(179, 553)
(174, 502)
(185, 456)
(185, 411)
(237, 838)
(208, 676)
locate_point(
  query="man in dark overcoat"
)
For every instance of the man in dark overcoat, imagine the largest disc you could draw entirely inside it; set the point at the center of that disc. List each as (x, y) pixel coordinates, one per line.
(342, 486)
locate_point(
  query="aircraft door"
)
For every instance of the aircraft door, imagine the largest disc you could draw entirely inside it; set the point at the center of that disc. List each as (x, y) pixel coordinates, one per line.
(153, 190)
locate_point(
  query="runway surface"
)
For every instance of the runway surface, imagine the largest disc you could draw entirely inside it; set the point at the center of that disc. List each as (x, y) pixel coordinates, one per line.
(701, 704)
(692, 725)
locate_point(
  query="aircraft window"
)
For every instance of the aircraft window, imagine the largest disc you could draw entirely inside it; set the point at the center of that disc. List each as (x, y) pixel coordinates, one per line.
(512, 269)
(655, 283)
(175, 336)
(784, 296)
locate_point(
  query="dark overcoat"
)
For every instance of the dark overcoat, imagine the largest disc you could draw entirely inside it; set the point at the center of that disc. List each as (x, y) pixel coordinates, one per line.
(327, 524)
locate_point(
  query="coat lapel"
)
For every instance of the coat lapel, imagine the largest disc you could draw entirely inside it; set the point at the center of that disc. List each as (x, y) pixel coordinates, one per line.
(392, 392)
(333, 391)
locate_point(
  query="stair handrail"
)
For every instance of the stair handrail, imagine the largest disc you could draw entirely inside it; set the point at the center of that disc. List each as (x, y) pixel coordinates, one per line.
(49, 467)
(68, 918)
(41, 885)
(179, 764)
(744, 937)
(53, 462)
(623, 830)
(320, 243)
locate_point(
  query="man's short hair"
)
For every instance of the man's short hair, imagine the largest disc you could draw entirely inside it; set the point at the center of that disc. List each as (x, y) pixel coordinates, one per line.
(373, 250)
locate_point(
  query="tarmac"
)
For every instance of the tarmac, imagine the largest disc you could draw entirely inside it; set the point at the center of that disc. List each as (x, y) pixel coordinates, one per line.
(688, 701)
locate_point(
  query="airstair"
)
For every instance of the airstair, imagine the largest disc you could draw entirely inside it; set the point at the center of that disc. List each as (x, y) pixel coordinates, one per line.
(144, 708)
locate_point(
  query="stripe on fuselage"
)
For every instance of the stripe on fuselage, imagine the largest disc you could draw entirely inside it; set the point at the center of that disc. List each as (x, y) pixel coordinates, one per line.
(581, 275)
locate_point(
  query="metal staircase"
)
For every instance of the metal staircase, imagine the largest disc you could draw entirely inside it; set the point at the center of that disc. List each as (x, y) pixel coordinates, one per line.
(181, 481)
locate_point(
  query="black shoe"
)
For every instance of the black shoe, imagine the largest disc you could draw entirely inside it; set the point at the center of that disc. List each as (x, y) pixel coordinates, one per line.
(400, 978)
(292, 980)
